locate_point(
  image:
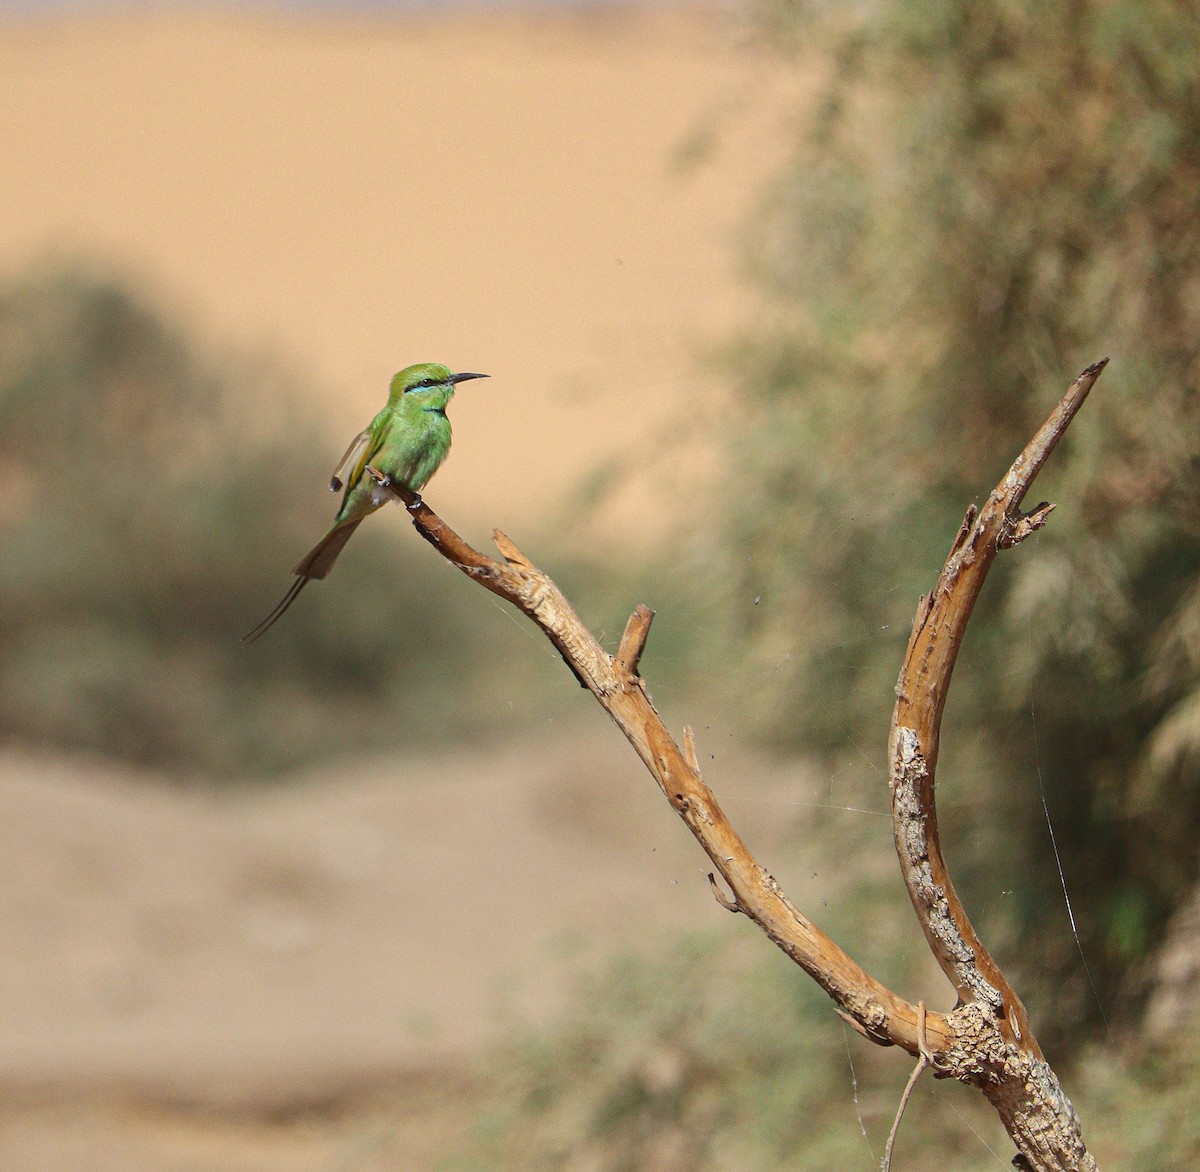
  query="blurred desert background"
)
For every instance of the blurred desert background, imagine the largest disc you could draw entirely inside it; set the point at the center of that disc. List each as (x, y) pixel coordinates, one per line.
(553, 197)
(768, 294)
(290, 979)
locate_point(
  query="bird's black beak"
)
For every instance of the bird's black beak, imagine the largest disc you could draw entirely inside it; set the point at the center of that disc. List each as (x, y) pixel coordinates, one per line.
(462, 378)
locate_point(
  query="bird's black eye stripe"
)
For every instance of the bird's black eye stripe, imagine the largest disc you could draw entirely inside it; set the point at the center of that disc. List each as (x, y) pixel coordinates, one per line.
(425, 384)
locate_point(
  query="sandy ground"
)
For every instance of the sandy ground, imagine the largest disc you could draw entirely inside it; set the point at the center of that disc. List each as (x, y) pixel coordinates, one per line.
(188, 973)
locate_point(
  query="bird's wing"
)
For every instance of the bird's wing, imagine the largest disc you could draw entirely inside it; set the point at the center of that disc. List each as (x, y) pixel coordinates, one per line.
(335, 481)
(369, 448)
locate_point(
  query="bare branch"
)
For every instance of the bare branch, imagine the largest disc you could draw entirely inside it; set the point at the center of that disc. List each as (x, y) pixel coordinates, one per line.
(921, 692)
(916, 722)
(986, 1040)
(877, 1012)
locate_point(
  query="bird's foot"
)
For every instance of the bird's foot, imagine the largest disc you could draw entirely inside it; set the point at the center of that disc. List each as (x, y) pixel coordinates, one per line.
(385, 481)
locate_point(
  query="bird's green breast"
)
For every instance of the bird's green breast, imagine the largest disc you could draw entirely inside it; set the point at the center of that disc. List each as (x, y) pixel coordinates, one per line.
(417, 441)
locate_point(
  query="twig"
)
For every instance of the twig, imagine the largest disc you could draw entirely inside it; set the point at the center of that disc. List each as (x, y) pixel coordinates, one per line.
(730, 905)
(689, 749)
(924, 1059)
(633, 642)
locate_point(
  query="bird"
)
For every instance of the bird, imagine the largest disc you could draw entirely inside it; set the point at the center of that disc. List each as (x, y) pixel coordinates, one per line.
(403, 446)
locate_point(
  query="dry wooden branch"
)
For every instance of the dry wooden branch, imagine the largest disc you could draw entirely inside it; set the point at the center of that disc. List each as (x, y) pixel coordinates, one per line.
(871, 1007)
(986, 1040)
(937, 634)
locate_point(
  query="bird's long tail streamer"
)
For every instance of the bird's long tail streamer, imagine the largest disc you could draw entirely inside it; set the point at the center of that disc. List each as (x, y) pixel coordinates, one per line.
(280, 607)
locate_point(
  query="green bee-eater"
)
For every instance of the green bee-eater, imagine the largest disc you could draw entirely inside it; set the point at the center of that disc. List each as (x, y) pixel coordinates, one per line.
(406, 442)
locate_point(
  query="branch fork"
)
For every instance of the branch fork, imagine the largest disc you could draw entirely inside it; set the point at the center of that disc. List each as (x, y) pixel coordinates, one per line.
(986, 1040)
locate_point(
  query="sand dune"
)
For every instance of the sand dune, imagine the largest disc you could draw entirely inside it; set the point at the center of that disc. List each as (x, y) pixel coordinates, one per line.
(503, 192)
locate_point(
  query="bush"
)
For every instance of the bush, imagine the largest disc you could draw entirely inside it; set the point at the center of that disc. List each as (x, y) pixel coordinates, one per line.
(657, 1066)
(155, 501)
(990, 196)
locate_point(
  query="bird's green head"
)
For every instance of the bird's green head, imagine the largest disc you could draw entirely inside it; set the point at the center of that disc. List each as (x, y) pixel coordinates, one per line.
(429, 383)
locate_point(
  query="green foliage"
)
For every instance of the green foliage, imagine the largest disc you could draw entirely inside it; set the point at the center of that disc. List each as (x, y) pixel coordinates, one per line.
(1140, 1113)
(718, 1054)
(714, 1057)
(154, 502)
(701, 1059)
(988, 197)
